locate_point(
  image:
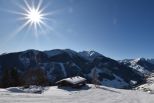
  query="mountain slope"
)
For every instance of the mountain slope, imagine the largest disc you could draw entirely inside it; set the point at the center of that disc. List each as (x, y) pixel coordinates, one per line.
(47, 67)
(141, 65)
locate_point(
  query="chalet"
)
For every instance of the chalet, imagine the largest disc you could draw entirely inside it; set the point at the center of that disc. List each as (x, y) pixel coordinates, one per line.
(74, 82)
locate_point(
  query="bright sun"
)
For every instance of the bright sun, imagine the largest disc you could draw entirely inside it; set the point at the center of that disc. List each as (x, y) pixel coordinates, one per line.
(34, 16)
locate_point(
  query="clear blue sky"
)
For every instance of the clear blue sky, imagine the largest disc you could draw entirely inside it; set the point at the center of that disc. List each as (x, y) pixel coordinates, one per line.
(116, 28)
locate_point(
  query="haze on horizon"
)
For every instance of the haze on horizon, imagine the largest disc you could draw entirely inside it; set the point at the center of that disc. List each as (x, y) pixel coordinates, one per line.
(116, 28)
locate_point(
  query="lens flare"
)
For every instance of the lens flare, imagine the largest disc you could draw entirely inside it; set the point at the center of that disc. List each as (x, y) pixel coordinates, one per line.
(34, 16)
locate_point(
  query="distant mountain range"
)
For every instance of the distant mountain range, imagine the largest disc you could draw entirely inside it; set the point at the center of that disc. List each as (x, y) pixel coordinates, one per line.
(33, 67)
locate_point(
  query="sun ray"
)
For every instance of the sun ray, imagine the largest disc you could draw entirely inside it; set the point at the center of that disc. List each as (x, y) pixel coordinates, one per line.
(39, 5)
(41, 9)
(12, 35)
(35, 16)
(15, 12)
(21, 28)
(22, 7)
(46, 25)
(27, 5)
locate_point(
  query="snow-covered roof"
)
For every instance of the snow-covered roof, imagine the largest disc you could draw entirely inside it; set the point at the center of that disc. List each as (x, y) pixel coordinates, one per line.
(73, 80)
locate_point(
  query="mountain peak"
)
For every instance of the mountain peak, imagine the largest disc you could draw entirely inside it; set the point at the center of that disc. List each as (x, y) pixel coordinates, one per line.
(90, 55)
(139, 59)
(54, 52)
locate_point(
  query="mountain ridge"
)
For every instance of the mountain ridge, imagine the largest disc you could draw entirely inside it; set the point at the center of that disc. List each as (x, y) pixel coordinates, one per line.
(56, 64)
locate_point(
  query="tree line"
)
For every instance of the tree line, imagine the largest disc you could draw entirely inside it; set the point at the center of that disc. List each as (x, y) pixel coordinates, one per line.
(12, 77)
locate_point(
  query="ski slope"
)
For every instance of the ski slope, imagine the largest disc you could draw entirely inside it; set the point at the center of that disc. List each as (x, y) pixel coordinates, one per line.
(67, 95)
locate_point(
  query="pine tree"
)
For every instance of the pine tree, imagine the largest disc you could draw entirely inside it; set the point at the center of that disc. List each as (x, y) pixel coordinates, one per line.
(10, 78)
(15, 81)
(35, 76)
(5, 78)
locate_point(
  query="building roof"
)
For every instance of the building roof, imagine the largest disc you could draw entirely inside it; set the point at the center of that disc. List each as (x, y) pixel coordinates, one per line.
(73, 80)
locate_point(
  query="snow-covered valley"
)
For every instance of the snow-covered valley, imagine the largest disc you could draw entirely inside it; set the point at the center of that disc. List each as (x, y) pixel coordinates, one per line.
(91, 95)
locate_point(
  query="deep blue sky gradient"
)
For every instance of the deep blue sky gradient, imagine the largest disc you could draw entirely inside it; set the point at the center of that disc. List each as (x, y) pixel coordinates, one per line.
(116, 28)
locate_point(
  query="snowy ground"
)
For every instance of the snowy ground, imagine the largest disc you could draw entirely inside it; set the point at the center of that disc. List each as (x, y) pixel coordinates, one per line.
(91, 95)
(148, 86)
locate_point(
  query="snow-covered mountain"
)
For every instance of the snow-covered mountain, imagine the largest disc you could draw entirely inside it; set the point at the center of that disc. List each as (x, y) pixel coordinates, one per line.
(142, 65)
(47, 67)
(150, 61)
(90, 55)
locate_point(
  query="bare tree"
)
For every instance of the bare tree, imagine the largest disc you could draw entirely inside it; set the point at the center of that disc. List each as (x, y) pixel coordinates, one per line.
(95, 78)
